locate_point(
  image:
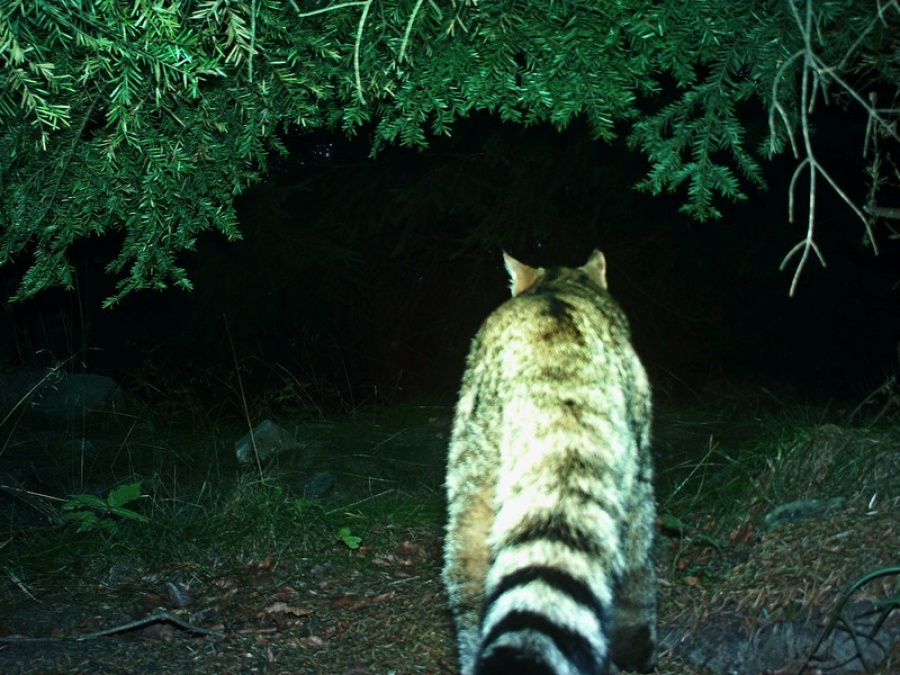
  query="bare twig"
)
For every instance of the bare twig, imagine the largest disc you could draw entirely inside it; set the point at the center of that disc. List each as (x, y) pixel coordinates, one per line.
(816, 74)
(406, 33)
(161, 616)
(17, 581)
(366, 5)
(332, 8)
(356, 46)
(808, 244)
(892, 212)
(776, 105)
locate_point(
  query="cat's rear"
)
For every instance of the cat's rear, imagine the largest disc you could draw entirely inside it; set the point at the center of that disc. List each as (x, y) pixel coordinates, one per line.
(551, 509)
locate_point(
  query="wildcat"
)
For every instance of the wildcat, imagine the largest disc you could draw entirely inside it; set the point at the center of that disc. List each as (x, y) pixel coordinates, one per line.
(547, 556)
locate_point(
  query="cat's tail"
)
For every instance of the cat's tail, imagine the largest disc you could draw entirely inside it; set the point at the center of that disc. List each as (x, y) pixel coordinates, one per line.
(550, 591)
(544, 619)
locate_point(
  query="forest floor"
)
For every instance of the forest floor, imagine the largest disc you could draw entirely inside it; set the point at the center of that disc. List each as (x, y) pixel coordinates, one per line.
(219, 569)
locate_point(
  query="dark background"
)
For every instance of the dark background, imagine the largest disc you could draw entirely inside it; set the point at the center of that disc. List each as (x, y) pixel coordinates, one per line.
(362, 280)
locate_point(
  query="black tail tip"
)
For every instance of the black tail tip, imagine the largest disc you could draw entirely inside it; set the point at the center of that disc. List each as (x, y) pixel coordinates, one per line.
(509, 661)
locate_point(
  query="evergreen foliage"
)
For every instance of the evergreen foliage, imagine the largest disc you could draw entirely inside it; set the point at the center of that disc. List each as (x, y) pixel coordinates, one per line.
(147, 118)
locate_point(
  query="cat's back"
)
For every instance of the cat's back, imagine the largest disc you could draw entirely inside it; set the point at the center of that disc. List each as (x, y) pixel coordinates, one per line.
(563, 327)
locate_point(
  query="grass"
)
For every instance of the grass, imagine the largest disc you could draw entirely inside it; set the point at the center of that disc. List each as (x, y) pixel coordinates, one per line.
(753, 463)
(841, 484)
(720, 469)
(255, 520)
(198, 508)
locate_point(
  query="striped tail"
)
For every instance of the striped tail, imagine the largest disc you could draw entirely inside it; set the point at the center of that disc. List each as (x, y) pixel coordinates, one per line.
(545, 619)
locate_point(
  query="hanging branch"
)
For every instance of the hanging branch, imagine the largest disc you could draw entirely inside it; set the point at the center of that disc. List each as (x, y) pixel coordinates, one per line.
(406, 33)
(821, 73)
(807, 244)
(359, 32)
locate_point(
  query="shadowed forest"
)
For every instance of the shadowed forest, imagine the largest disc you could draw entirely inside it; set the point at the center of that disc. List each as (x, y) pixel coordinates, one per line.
(344, 316)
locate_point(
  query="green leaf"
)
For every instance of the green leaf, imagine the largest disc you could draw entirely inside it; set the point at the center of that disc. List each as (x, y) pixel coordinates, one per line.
(85, 521)
(124, 494)
(84, 501)
(128, 514)
(350, 540)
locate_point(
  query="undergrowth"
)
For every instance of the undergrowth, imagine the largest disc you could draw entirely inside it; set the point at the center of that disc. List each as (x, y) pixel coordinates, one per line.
(256, 518)
(169, 496)
(140, 486)
(734, 468)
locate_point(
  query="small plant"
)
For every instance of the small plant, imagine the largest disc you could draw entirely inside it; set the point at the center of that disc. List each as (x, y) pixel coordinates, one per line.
(90, 513)
(349, 539)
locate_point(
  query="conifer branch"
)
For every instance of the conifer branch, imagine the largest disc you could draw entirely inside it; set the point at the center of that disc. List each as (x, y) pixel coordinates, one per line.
(254, 13)
(157, 74)
(50, 200)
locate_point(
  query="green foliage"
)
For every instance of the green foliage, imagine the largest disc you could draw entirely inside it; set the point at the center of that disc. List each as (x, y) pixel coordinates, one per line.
(89, 512)
(144, 120)
(350, 540)
(716, 54)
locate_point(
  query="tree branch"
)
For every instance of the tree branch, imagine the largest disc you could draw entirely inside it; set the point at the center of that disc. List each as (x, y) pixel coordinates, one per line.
(359, 32)
(814, 67)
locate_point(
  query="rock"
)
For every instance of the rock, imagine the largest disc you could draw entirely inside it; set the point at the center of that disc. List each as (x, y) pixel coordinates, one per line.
(320, 485)
(57, 396)
(804, 509)
(269, 439)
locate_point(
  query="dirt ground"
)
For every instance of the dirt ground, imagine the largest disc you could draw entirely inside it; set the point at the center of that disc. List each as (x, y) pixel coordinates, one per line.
(752, 602)
(382, 611)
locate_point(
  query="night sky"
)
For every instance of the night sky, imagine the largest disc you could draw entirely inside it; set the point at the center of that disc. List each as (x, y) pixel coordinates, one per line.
(365, 278)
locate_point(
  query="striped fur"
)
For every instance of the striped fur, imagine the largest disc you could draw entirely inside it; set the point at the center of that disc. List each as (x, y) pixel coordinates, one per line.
(551, 513)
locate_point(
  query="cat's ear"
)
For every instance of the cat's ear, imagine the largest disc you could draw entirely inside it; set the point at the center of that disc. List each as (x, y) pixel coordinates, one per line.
(595, 268)
(521, 276)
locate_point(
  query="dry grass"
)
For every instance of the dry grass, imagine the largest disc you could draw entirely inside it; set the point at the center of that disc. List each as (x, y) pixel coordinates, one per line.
(732, 564)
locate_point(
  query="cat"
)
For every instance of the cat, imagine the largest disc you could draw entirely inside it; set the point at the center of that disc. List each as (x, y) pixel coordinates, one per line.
(551, 514)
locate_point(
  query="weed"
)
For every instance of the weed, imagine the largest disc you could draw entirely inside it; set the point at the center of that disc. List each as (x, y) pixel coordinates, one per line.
(89, 512)
(350, 540)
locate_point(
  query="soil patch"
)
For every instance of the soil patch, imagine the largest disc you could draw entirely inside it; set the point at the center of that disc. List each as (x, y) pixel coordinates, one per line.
(746, 600)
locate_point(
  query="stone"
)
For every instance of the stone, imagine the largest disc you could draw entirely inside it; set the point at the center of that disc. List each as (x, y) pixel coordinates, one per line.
(269, 439)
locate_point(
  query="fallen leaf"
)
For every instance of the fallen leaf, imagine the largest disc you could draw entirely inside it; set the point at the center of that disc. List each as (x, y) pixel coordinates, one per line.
(343, 601)
(408, 549)
(368, 602)
(285, 592)
(744, 534)
(312, 641)
(284, 608)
